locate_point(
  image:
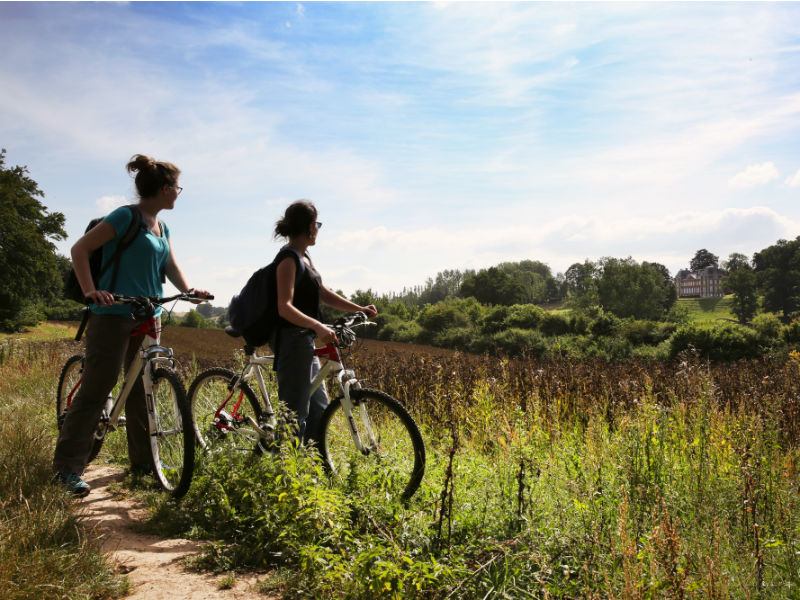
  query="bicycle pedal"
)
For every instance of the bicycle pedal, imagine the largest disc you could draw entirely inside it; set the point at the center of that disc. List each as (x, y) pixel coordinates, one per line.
(121, 420)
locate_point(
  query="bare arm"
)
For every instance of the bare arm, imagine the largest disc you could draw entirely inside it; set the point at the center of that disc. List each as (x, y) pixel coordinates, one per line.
(336, 301)
(284, 276)
(100, 234)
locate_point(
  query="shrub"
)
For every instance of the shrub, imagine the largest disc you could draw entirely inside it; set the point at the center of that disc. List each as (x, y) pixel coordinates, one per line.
(444, 315)
(195, 319)
(63, 310)
(495, 319)
(646, 332)
(768, 327)
(726, 341)
(525, 316)
(604, 324)
(554, 324)
(520, 342)
(791, 333)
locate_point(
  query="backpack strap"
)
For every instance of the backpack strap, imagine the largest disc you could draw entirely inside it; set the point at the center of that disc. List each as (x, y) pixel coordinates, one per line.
(124, 243)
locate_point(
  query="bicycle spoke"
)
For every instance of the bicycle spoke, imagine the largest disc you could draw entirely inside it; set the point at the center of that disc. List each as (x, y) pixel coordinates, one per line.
(392, 455)
(219, 424)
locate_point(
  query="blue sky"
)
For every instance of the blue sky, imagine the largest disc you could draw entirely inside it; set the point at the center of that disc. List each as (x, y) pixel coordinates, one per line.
(430, 136)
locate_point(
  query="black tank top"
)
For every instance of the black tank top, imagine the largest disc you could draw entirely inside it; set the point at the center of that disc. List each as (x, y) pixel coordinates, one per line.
(306, 293)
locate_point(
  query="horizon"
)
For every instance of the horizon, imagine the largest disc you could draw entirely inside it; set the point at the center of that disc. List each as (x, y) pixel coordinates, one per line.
(430, 136)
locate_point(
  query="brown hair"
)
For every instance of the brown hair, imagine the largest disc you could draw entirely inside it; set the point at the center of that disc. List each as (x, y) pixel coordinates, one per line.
(297, 219)
(151, 174)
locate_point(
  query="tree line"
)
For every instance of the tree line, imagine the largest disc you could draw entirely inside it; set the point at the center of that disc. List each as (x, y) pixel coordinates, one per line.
(32, 275)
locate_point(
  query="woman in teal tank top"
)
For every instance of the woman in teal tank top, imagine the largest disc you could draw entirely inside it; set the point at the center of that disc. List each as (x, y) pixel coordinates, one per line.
(109, 345)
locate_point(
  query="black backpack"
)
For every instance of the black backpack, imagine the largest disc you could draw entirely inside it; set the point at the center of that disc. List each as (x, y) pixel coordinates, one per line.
(72, 289)
(254, 310)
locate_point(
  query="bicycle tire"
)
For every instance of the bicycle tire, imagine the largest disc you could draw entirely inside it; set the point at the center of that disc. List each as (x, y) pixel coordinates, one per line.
(172, 440)
(206, 393)
(395, 463)
(68, 383)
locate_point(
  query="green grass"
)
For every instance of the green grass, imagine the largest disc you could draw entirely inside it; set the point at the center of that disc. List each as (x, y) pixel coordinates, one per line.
(674, 495)
(45, 551)
(708, 309)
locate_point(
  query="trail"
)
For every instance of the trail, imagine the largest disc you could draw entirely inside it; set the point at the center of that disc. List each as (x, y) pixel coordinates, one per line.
(152, 563)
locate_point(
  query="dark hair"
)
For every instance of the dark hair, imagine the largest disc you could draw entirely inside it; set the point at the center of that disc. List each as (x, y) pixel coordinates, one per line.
(297, 219)
(152, 174)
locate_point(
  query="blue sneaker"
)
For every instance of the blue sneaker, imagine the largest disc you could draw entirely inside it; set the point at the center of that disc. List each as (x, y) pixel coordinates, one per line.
(73, 483)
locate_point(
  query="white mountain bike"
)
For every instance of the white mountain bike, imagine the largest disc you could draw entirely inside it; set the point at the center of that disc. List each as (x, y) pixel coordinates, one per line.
(367, 437)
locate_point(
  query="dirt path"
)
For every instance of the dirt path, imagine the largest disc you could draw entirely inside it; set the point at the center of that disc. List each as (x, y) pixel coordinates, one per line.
(153, 564)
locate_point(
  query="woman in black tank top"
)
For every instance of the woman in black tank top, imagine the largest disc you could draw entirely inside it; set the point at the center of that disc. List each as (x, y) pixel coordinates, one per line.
(298, 308)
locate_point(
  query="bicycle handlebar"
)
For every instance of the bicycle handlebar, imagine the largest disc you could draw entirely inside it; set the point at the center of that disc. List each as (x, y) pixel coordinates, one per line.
(144, 307)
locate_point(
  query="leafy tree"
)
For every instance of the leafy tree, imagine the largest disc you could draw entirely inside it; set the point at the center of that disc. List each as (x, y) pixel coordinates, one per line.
(702, 259)
(742, 281)
(493, 286)
(580, 284)
(535, 278)
(29, 269)
(194, 319)
(778, 271)
(205, 309)
(628, 289)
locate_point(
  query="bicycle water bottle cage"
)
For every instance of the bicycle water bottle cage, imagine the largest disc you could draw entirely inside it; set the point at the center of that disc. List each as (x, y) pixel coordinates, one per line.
(142, 309)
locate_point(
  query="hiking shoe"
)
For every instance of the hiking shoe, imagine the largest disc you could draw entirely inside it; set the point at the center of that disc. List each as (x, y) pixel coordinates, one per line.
(73, 483)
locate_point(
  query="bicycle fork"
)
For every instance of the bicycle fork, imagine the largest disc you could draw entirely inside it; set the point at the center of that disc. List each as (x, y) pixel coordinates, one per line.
(347, 381)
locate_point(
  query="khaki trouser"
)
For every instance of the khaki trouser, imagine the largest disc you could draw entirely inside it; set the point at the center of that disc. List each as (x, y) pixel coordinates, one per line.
(108, 344)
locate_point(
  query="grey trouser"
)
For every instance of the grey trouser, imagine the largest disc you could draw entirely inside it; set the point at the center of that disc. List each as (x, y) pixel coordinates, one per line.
(108, 344)
(296, 367)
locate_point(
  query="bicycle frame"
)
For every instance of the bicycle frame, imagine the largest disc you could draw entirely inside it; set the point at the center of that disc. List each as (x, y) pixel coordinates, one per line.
(149, 355)
(332, 364)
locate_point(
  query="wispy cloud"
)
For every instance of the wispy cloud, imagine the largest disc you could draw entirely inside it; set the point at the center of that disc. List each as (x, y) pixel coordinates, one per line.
(754, 175)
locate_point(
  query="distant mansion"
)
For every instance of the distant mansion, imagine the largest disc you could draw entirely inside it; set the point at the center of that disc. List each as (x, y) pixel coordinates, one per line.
(706, 283)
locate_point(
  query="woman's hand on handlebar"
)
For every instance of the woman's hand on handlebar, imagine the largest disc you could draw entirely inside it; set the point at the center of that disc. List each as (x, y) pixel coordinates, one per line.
(101, 297)
(369, 310)
(325, 334)
(202, 295)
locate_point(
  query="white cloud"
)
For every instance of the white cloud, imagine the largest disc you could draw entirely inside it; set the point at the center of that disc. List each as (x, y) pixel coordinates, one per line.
(754, 175)
(108, 203)
(794, 181)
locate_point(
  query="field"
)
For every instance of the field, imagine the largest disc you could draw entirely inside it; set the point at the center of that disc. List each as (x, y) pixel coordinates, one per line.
(558, 479)
(708, 309)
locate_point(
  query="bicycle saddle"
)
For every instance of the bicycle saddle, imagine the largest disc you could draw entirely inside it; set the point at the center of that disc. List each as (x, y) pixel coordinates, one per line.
(233, 332)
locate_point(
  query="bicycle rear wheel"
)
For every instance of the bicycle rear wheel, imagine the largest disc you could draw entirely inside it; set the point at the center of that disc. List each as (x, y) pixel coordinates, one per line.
(233, 426)
(172, 437)
(68, 383)
(393, 459)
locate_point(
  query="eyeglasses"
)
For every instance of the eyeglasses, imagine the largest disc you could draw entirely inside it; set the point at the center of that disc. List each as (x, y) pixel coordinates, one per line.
(319, 225)
(179, 188)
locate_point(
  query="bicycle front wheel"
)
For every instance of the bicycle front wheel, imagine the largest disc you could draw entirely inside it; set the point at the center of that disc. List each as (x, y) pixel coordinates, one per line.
(172, 435)
(68, 383)
(231, 423)
(393, 456)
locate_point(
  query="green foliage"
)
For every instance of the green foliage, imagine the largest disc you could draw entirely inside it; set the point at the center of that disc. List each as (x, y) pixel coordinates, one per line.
(768, 327)
(702, 259)
(46, 551)
(493, 286)
(520, 342)
(629, 289)
(725, 341)
(742, 281)
(29, 270)
(778, 271)
(194, 319)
